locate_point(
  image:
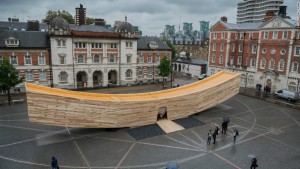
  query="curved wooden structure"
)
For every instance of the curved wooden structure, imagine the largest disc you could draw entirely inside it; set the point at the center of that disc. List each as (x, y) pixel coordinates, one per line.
(79, 109)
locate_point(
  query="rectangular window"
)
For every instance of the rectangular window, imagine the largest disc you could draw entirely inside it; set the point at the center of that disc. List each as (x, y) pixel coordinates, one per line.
(42, 75)
(297, 50)
(236, 35)
(157, 59)
(149, 71)
(128, 44)
(111, 58)
(113, 45)
(275, 34)
(222, 47)
(223, 35)
(140, 71)
(96, 45)
(141, 59)
(298, 35)
(1, 59)
(27, 60)
(29, 76)
(239, 60)
(295, 67)
(266, 35)
(41, 60)
(61, 43)
(241, 35)
(251, 35)
(80, 45)
(149, 59)
(284, 34)
(254, 48)
(214, 47)
(14, 60)
(62, 59)
(215, 35)
(253, 62)
(128, 58)
(240, 47)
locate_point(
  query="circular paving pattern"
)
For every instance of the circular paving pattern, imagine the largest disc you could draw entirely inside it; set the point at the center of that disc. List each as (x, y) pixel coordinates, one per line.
(267, 131)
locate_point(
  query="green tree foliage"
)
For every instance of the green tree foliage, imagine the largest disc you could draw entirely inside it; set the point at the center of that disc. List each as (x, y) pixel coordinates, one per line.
(66, 15)
(8, 77)
(89, 20)
(164, 68)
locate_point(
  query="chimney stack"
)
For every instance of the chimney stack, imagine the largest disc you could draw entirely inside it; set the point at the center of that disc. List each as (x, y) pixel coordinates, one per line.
(269, 15)
(224, 19)
(33, 25)
(100, 22)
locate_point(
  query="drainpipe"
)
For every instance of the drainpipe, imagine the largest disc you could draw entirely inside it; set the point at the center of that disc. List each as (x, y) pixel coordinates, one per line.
(120, 61)
(74, 80)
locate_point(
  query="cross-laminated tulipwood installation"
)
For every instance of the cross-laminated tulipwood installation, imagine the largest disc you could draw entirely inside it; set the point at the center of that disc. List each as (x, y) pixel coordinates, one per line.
(92, 110)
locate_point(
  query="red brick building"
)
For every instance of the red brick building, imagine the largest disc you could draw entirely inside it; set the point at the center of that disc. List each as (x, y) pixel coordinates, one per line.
(266, 53)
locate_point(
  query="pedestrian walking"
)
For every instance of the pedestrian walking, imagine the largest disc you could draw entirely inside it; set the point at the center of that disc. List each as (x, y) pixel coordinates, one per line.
(54, 163)
(217, 129)
(253, 163)
(236, 133)
(209, 138)
(224, 127)
(214, 137)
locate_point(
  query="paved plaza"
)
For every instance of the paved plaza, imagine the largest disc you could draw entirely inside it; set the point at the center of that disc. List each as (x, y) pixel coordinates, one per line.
(267, 131)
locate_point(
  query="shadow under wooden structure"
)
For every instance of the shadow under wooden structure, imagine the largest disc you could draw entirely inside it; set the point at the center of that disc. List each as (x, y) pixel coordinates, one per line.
(90, 110)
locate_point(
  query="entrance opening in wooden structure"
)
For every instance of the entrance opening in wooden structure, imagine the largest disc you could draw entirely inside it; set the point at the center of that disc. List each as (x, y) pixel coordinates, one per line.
(162, 113)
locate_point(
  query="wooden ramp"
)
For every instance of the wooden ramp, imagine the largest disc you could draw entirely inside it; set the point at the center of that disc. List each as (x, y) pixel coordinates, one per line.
(169, 126)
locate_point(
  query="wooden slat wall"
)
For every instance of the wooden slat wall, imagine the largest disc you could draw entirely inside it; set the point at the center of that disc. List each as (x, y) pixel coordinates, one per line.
(75, 112)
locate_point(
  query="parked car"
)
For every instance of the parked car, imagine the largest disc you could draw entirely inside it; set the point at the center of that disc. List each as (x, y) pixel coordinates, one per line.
(286, 94)
(202, 76)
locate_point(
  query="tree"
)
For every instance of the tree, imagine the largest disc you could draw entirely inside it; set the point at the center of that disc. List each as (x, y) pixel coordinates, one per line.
(8, 77)
(66, 15)
(164, 68)
(89, 20)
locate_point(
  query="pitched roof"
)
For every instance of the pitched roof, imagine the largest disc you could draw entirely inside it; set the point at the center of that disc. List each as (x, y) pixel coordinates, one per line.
(19, 25)
(27, 39)
(192, 61)
(89, 28)
(144, 41)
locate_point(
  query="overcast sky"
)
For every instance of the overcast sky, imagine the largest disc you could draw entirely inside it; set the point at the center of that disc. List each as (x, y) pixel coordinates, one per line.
(150, 15)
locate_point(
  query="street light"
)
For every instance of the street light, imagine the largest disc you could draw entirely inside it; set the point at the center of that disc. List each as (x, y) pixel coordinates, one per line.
(172, 64)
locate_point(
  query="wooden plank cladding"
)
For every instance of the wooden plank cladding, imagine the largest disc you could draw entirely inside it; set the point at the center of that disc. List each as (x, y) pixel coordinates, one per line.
(90, 110)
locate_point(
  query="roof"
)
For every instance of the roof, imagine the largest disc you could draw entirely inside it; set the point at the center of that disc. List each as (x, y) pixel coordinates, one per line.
(19, 25)
(192, 61)
(144, 41)
(28, 39)
(89, 28)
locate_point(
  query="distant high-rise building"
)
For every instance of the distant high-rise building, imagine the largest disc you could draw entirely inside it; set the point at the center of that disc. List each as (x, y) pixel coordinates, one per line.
(80, 15)
(204, 29)
(253, 11)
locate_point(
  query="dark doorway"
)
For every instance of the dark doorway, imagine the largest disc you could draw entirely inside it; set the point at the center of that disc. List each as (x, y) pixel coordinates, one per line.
(162, 113)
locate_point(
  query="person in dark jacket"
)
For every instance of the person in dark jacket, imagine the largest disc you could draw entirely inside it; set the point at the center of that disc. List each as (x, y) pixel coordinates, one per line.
(214, 137)
(54, 163)
(236, 133)
(253, 163)
(224, 127)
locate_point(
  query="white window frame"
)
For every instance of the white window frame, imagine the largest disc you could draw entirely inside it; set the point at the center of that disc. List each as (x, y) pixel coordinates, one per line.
(43, 75)
(297, 51)
(221, 59)
(62, 59)
(266, 35)
(222, 47)
(254, 48)
(214, 47)
(128, 58)
(231, 60)
(213, 58)
(79, 59)
(253, 62)
(94, 59)
(251, 35)
(262, 64)
(111, 58)
(42, 60)
(223, 35)
(215, 35)
(281, 65)
(239, 60)
(128, 73)
(157, 59)
(13, 60)
(63, 76)
(149, 59)
(271, 64)
(275, 35)
(29, 76)
(240, 47)
(141, 71)
(284, 34)
(141, 59)
(295, 67)
(27, 60)
(242, 35)
(149, 70)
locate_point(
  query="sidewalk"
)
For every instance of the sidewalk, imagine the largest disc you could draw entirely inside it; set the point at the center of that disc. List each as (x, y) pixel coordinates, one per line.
(269, 97)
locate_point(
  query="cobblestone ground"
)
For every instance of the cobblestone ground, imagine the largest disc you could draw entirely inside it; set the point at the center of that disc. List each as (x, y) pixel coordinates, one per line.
(267, 131)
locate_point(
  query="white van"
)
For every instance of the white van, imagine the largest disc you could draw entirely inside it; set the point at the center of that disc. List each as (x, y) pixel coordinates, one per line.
(291, 96)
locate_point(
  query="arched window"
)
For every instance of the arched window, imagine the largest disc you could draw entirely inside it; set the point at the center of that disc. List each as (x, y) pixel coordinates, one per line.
(221, 59)
(96, 58)
(111, 58)
(128, 73)
(292, 86)
(281, 65)
(271, 64)
(80, 58)
(263, 63)
(63, 76)
(213, 58)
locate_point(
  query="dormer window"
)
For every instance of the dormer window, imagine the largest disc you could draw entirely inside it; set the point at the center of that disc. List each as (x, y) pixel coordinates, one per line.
(12, 42)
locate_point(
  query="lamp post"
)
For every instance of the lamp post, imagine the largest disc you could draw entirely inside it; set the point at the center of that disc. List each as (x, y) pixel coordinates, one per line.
(153, 73)
(172, 64)
(246, 82)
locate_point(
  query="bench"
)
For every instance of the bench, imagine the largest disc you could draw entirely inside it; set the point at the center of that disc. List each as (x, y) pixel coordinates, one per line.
(18, 101)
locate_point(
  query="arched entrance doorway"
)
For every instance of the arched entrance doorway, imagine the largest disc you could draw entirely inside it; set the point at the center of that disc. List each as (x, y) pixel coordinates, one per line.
(112, 77)
(179, 68)
(162, 113)
(97, 78)
(270, 79)
(175, 67)
(81, 79)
